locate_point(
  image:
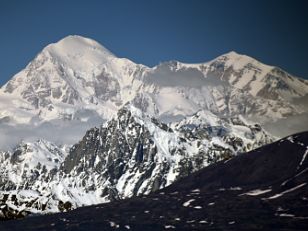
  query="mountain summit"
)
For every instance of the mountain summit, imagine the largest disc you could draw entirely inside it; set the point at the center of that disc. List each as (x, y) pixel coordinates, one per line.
(155, 125)
(77, 79)
(75, 46)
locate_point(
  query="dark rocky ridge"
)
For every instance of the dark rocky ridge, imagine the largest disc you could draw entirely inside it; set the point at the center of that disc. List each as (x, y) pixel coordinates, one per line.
(132, 154)
(222, 196)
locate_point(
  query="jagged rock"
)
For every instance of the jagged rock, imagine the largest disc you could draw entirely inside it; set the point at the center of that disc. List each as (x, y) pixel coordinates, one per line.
(265, 189)
(129, 155)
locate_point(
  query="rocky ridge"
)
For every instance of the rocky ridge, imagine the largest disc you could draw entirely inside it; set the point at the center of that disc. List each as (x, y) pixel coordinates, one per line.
(132, 154)
(265, 189)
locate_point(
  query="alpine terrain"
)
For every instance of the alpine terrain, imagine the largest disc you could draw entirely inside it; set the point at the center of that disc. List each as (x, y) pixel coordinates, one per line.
(79, 81)
(265, 189)
(80, 126)
(131, 154)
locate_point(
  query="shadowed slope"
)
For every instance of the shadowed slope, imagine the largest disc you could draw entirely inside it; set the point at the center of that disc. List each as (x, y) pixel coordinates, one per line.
(265, 189)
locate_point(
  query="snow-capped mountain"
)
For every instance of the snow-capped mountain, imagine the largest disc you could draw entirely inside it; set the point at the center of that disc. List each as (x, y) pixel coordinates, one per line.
(131, 154)
(79, 81)
(159, 124)
(265, 189)
(70, 75)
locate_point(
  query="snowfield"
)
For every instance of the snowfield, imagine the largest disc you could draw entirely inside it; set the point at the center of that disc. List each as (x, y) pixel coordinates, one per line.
(78, 83)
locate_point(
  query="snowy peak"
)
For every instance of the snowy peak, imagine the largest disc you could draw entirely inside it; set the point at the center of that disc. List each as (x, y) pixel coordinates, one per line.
(260, 80)
(74, 44)
(73, 54)
(77, 42)
(131, 154)
(238, 61)
(76, 51)
(78, 74)
(74, 71)
(233, 62)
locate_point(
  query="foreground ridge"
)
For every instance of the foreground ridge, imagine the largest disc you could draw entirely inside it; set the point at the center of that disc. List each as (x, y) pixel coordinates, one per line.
(132, 154)
(265, 189)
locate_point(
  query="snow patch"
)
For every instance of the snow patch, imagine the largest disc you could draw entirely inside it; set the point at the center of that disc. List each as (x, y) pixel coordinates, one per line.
(187, 203)
(303, 158)
(256, 192)
(287, 191)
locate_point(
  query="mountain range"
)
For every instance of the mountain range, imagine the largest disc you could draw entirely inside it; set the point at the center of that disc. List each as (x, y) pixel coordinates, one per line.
(80, 126)
(265, 189)
(78, 81)
(132, 154)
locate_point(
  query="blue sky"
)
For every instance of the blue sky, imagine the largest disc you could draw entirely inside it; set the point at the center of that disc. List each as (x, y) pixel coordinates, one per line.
(149, 32)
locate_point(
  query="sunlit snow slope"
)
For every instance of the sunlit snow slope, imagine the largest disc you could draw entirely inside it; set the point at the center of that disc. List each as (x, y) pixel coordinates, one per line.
(76, 83)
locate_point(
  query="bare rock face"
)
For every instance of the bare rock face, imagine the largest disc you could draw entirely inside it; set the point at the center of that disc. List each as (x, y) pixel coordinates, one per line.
(132, 154)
